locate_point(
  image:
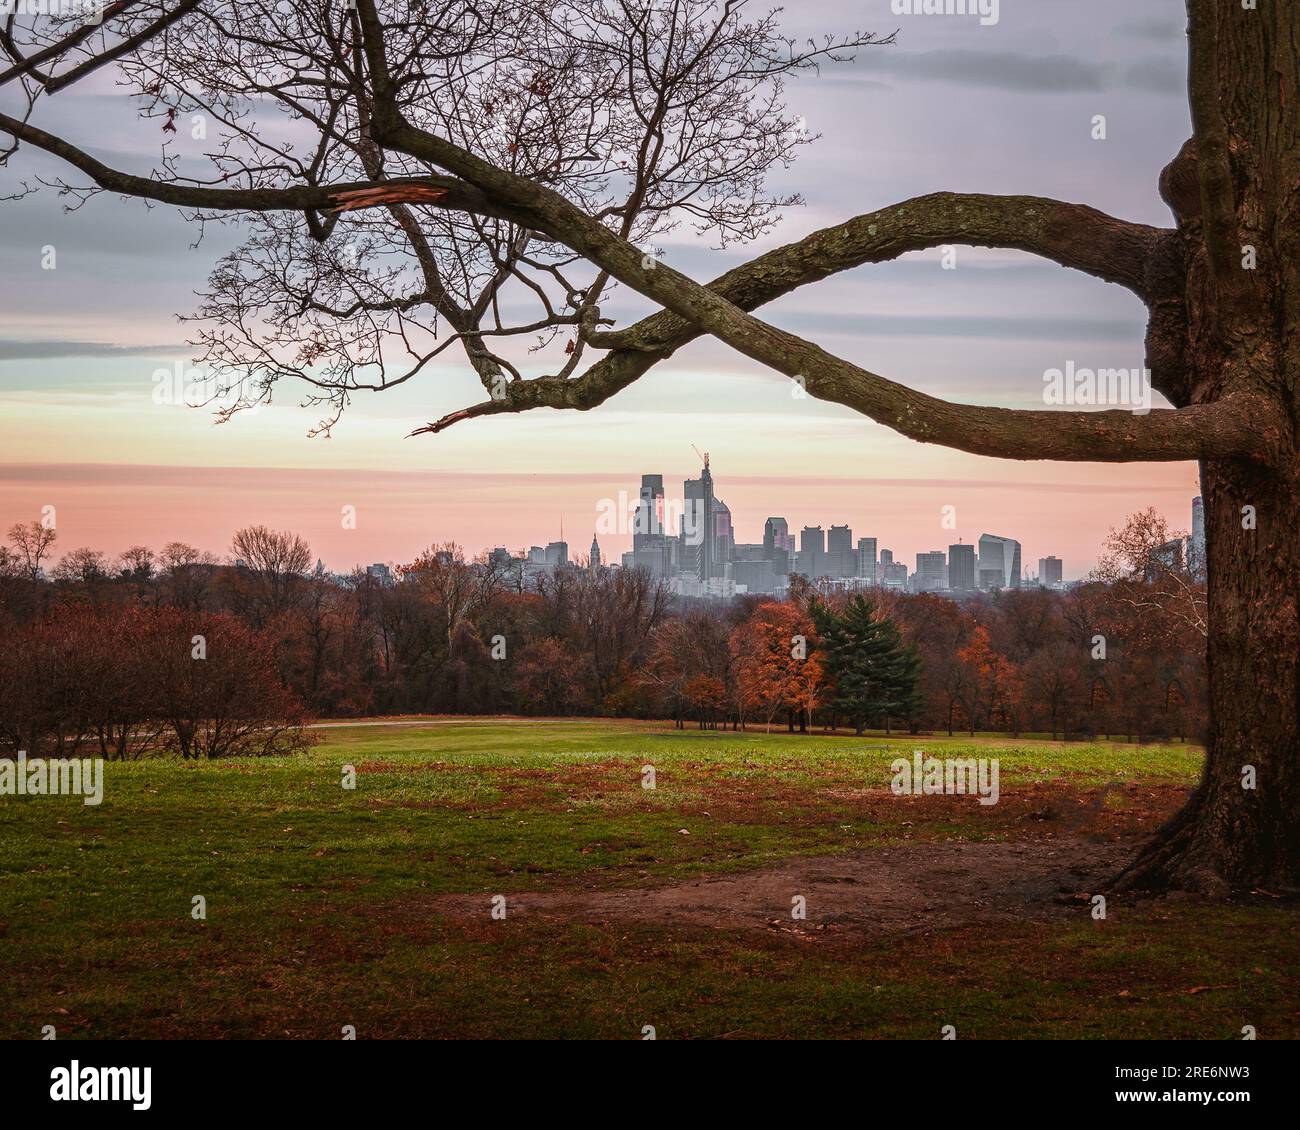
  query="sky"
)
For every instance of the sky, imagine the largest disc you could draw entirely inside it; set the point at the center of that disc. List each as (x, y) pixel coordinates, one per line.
(955, 105)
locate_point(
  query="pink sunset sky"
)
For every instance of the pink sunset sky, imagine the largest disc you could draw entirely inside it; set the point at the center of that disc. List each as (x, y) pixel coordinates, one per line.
(956, 105)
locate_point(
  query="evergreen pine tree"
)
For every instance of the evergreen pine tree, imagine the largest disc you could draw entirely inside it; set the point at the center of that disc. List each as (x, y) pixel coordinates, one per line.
(874, 671)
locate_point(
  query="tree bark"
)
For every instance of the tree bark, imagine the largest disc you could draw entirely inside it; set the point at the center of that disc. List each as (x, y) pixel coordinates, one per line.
(1230, 838)
(1242, 304)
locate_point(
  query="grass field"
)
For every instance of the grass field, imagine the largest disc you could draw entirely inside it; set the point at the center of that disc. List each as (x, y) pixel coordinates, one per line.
(626, 906)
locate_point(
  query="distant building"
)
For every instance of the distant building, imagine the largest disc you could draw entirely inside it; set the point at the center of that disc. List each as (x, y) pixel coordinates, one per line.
(716, 588)
(381, 573)
(513, 570)
(812, 538)
(991, 580)
(1166, 558)
(1049, 572)
(810, 561)
(648, 522)
(702, 519)
(778, 545)
(867, 560)
(651, 548)
(931, 571)
(891, 574)
(961, 567)
(1002, 554)
(724, 538)
(754, 575)
(841, 558)
(673, 555)
(595, 553)
(557, 553)
(776, 534)
(1196, 541)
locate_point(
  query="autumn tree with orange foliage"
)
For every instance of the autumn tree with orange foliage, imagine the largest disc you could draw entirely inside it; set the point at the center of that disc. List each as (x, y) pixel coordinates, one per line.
(993, 689)
(707, 697)
(777, 667)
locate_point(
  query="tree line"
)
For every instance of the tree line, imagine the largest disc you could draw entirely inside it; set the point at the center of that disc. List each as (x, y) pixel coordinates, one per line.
(180, 651)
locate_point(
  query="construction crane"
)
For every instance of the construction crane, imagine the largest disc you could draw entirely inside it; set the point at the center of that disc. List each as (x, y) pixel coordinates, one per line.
(702, 454)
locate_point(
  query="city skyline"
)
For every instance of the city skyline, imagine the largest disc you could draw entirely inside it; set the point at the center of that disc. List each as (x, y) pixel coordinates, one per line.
(694, 547)
(324, 530)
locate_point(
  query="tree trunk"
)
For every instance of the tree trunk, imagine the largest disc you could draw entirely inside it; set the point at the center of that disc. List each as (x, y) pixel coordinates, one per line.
(1229, 837)
(1241, 333)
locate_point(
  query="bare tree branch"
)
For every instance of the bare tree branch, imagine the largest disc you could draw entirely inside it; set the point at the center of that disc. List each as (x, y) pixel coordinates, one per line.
(504, 197)
(1197, 431)
(1070, 234)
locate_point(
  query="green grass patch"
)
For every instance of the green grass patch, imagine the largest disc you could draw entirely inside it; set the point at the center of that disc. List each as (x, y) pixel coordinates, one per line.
(298, 874)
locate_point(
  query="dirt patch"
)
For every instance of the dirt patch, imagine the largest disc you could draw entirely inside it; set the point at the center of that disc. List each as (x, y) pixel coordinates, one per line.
(899, 889)
(714, 793)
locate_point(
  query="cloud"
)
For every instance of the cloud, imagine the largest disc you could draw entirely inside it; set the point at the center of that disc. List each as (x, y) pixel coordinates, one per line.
(17, 350)
(983, 326)
(1164, 29)
(1004, 70)
(1161, 75)
(1021, 71)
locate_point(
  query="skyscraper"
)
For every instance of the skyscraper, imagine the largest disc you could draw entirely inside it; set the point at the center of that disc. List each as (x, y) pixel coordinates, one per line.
(697, 525)
(961, 567)
(890, 573)
(776, 534)
(756, 575)
(1168, 557)
(867, 559)
(931, 571)
(649, 520)
(778, 545)
(811, 559)
(595, 553)
(650, 548)
(1049, 571)
(840, 558)
(1196, 541)
(724, 538)
(1002, 554)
